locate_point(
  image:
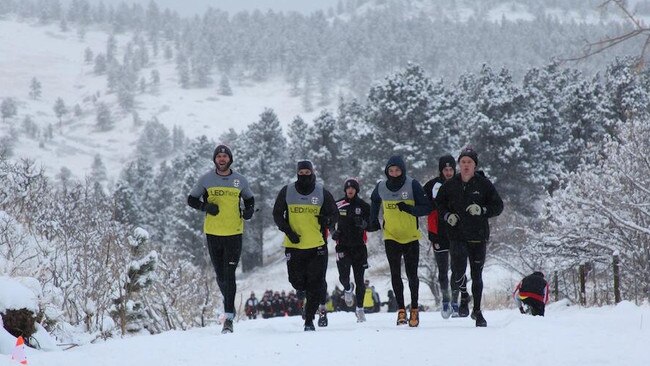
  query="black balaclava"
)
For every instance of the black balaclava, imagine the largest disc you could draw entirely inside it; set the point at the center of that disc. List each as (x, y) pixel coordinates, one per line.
(351, 182)
(222, 149)
(305, 183)
(395, 183)
(446, 161)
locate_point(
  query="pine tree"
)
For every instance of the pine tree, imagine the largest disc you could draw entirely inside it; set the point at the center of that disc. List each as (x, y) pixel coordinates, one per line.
(88, 55)
(98, 171)
(298, 147)
(104, 118)
(60, 109)
(183, 69)
(154, 141)
(100, 64)
(399, 118)
(35, 89)
(325, 147)
(261, 157)
(224, 86)
(8, 108)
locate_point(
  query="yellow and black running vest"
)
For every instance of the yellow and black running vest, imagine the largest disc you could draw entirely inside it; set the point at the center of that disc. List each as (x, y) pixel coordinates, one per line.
(302, 211)
(224, 191)
(399, 226)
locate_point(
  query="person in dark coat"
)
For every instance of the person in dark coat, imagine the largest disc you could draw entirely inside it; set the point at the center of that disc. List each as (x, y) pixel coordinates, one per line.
(531, 294)
(466, 202)
(440, 242)
(351, 251)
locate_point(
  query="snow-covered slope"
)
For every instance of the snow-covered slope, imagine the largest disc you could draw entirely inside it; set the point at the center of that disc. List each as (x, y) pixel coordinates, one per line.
(56, 59)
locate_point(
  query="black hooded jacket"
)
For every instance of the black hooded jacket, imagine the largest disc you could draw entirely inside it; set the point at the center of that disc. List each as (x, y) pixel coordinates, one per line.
(354, 215)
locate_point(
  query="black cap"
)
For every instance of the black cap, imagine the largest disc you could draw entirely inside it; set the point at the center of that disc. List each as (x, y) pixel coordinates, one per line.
(351, 182)
(468, 151)
(305, 164)
(222, 149)
(446, 161)
(538, 273)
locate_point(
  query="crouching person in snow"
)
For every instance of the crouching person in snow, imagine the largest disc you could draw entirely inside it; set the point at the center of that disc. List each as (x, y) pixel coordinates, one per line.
(304, 211)
(531, 294)
(218, 194)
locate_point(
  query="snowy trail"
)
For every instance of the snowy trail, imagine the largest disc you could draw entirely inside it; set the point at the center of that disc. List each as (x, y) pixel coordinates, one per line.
(567, 336)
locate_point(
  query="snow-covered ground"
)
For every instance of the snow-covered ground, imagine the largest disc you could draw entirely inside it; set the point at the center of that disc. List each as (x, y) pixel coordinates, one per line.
(612, 335)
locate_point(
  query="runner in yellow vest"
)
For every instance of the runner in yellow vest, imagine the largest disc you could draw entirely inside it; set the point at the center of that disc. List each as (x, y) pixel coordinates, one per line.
(304, 211)
(218, 194)
(402, 200)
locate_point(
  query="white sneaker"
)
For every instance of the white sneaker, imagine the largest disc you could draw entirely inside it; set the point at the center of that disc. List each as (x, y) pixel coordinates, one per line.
(361, 315)
(349, 295)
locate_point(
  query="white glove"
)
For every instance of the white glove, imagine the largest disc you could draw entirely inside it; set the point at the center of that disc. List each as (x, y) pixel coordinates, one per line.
(474, 209)
(452, 219)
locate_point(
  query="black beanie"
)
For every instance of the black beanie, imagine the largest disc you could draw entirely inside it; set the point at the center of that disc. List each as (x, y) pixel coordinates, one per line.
(351, 182)
(468, 151)
(305, 164)
(446, 161)
(222, 149)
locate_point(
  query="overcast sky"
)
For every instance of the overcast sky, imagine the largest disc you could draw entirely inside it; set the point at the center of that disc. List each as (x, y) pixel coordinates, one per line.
(190, 7)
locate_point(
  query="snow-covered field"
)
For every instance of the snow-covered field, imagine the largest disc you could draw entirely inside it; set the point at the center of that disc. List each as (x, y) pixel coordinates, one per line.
(566, 336)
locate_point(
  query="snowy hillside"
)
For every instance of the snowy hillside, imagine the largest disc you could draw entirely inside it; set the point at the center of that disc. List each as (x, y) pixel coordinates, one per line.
(56, 59)
(566, 336)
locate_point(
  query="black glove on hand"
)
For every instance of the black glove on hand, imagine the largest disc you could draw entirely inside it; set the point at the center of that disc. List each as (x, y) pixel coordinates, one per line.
(336, 235)
(403, 206)
(293, 237)
(360, 222)
(211, 208)
(373, 226)
(248, 212)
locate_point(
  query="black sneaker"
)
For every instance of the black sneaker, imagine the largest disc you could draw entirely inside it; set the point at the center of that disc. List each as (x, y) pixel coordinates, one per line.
(227, 326)
(309, 326)
(463, 309)
(322, 318)
(480, 320)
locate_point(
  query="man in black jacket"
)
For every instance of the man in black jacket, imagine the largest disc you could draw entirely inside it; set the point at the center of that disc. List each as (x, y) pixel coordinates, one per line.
(304, 211)
(440, 242)
(466, 202)
(351, 251)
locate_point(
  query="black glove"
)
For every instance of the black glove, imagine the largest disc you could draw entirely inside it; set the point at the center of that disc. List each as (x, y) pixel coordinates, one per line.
(293, 237)
(373, 226)
(403, 206)
(248, 212)
(211, 208)
(521, 310)
(336, 235)
(360, 222)
(323, 220)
